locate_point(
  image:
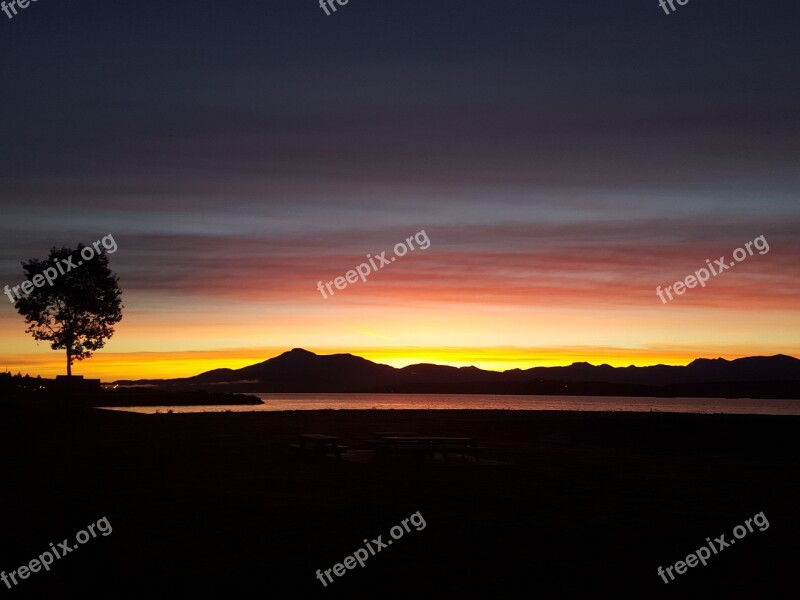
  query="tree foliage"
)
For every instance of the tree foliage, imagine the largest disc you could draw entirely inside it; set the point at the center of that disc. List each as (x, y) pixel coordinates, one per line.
(78, 311)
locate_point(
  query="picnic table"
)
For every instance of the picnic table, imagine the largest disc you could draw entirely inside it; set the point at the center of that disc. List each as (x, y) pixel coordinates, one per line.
(319, 444)
(426, 446)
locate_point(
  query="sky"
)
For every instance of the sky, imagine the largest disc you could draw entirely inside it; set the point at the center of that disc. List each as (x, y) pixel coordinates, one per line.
(563, 159)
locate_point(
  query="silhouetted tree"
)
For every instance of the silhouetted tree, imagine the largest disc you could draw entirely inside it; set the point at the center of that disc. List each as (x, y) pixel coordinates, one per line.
(75, 310)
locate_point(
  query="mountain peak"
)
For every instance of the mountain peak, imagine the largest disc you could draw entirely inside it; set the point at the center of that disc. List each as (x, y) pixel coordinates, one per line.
(299, 370)
(299, 352)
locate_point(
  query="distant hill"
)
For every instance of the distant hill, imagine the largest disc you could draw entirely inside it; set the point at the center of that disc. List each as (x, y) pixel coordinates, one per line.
(302, 371)
(702, 370)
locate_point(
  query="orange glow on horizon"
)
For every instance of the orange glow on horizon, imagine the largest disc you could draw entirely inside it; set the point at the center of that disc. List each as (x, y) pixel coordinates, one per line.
(110, 366)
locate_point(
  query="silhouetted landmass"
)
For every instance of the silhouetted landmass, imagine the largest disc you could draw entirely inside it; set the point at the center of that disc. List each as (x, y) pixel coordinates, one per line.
(303, 371)
(139, 397)
(30, 392)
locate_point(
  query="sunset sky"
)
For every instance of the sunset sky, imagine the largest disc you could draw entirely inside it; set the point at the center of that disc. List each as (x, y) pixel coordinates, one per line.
(564, 159)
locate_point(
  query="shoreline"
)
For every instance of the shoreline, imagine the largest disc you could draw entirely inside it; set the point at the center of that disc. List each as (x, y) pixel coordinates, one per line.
(449, 402)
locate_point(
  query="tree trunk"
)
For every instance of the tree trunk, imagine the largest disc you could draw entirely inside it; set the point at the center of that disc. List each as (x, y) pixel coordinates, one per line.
(69, 362)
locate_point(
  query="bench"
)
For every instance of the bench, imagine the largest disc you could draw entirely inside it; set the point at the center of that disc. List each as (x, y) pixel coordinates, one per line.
(425, 447)
(318, 445)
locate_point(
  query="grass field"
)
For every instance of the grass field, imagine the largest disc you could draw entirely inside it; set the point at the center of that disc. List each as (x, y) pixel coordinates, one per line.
(214, 505)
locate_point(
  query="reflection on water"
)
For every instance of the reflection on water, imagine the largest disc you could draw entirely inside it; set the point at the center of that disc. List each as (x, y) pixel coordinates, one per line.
(274, 402)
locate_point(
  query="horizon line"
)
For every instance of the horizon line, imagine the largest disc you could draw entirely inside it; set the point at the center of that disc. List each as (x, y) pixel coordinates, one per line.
(409, 362)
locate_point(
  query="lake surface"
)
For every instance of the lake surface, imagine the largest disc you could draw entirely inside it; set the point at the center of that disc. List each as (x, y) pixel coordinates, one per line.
(273, 402)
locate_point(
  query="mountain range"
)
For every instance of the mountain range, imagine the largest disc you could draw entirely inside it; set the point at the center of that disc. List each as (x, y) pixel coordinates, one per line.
(299, 371)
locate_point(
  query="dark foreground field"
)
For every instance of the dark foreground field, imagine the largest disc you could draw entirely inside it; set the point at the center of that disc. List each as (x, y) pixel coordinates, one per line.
(213, 506)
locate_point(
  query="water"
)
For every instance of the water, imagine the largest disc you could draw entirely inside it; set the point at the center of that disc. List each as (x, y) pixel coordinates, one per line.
(275, 402)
